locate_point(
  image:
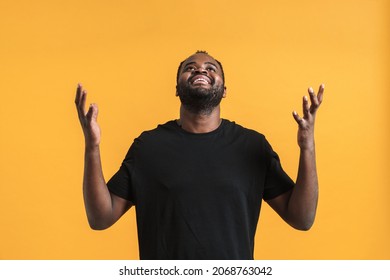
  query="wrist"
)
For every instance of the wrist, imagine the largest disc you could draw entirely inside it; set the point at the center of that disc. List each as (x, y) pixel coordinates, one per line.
(309, 147)
(92, 148)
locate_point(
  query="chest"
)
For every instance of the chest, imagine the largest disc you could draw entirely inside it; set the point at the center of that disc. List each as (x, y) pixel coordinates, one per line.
(198, 170)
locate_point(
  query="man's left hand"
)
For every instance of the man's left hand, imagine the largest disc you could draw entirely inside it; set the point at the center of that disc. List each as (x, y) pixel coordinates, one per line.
(306, 123)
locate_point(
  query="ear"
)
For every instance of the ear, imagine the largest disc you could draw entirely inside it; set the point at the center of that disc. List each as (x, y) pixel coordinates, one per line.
(177, 93)
(224, 92)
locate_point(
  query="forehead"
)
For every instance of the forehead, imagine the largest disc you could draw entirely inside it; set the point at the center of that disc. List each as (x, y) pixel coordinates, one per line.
(201, 58)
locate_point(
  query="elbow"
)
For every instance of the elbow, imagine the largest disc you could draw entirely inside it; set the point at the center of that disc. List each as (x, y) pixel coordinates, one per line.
(302, 222)
(98, 225)
(303, 225)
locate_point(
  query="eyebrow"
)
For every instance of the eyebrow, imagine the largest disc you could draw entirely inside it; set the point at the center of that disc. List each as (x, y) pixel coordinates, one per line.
(193, 62)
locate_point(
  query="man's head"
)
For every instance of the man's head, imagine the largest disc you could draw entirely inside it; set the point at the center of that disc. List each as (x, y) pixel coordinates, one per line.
(200, 83)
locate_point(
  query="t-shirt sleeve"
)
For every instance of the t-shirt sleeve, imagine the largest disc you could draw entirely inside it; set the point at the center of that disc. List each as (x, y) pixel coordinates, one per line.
(121, 183)
(277, 181)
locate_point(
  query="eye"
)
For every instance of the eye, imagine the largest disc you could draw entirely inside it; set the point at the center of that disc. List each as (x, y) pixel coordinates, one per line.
(212, 69)
(189, 68)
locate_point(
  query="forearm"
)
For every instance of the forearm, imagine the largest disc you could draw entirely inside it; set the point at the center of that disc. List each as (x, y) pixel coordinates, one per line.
(298, 207)
(303, 201)
(97, 198)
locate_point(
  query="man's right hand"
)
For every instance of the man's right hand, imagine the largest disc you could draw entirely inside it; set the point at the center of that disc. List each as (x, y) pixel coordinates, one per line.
(88, 119)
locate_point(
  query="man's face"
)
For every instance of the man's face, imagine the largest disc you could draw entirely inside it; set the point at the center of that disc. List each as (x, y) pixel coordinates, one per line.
(200, 86)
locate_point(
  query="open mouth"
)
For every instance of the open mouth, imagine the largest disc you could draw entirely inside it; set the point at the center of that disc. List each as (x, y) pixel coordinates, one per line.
(200, 80)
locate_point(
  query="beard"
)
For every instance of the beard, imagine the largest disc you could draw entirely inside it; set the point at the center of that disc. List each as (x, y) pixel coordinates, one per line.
(200, 100)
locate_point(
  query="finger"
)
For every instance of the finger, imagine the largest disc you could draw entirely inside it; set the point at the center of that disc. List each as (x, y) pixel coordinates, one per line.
(80, 101)
(81, 105)
(83, 100)
(92, 112)
(313, 98)
(78, 94)
(305, 107)
(320, 94)
(297, 118)
(89, 113)
(95, 111)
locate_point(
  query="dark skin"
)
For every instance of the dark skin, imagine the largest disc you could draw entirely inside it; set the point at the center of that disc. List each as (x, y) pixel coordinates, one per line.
(103, 208)
(198, 67)
(297, 206)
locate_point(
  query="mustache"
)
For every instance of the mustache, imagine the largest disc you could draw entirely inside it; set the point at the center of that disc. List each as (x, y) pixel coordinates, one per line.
(200, 100)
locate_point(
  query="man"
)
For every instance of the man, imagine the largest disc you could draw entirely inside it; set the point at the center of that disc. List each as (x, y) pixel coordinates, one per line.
(198, 182)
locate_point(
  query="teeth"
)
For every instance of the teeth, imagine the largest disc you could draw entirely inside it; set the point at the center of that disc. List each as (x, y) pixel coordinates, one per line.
(200, 80)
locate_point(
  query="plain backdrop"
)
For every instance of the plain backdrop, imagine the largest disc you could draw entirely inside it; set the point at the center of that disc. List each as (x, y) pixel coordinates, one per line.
(126, 54)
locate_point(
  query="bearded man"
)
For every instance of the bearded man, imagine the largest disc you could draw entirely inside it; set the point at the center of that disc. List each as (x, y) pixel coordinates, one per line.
(198, 182)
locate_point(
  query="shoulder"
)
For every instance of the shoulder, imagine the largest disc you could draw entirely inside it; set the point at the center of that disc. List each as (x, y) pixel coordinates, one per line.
(236, 129)
(162, 131)
(251, 139)
(152, 139)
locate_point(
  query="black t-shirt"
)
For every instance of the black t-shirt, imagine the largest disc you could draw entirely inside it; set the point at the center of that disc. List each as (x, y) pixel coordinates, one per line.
(198, 196)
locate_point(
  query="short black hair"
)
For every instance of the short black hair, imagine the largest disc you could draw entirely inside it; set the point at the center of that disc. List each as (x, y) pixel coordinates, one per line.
(204, 52)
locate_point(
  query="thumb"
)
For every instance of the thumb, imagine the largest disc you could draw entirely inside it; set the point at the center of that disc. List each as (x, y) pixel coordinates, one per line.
(92, 112)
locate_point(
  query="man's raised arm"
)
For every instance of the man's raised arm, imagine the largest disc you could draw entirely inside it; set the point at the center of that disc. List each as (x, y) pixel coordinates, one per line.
(298, 206)
(103, 208)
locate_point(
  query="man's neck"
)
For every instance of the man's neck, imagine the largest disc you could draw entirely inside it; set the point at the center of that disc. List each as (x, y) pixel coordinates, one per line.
(199, 123)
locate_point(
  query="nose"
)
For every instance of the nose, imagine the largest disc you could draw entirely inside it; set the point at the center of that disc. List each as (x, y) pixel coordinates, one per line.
(200, 70)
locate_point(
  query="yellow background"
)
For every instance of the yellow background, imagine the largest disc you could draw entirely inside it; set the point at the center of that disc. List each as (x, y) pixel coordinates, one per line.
(126, 54)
